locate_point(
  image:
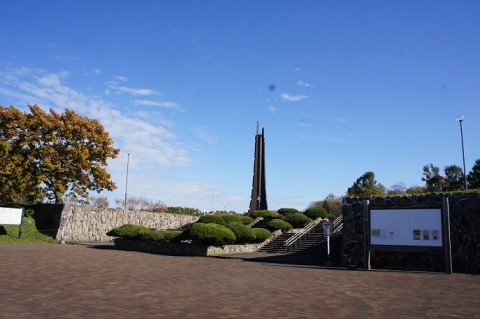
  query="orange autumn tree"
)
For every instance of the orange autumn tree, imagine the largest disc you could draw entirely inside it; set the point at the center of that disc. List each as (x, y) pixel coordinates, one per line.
(52, 155)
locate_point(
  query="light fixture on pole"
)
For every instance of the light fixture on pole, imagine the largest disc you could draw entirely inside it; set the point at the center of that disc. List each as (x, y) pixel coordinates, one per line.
(126, 183)
(460, 120)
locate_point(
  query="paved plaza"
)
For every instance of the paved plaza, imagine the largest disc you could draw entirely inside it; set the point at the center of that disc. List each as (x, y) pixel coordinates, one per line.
(78, 281)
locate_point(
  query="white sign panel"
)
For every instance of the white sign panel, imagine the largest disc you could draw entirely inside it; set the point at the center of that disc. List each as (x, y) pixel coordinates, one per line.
(10, 216)
(406, 227)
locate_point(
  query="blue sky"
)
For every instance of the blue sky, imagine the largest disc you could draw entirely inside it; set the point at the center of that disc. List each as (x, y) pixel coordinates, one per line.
(341, 88)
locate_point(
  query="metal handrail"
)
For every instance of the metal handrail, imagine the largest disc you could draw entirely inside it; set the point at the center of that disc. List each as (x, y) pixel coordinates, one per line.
(301, 233)
(337, 224)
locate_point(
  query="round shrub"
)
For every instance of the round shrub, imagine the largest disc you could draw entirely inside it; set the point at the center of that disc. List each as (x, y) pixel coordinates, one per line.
(286, 211)
(244, 234)
(297, 220)
(212, 219)
(261, 213)
(316, 212)
(275, 224)
(261, 234)
(331, 217)
(212, 234)
(246, 220)
(129, 231)
(231, 219)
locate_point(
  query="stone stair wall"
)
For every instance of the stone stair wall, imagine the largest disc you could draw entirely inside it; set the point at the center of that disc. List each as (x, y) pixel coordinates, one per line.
(91, 224)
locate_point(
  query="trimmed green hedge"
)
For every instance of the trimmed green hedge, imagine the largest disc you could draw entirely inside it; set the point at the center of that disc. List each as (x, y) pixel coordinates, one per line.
(212, 234)
(275, 224)
(212, 219)
(297, 220)
(331, 217)
(129, 231)
(246, 220)
(316, 212)
(232, 219)
(162, 236)
(261, 213)
(285, 211)
(244, 234)
(261, 234)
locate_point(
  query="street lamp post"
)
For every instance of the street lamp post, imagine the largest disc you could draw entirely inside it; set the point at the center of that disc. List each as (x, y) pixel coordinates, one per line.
(126, 184)
(460, 120)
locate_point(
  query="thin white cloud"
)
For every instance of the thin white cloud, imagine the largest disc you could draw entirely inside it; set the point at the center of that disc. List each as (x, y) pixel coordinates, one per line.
(114, 85)
(141, 92)
(272, 109)
(302, 124)
(344, 120)
(201, 132)
(120, 78)
(155, 103)
(304, 84)
(292, 98)
(154, 144)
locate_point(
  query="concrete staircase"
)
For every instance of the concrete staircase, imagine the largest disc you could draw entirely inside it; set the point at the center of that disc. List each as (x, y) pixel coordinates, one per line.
(277, 245)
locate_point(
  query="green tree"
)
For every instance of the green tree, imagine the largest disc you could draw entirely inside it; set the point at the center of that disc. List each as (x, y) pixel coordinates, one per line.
(434, 182)
(454, 177)
(19, 181)
(473, 177)
(366, 186)
(60, 154)
(397, 189)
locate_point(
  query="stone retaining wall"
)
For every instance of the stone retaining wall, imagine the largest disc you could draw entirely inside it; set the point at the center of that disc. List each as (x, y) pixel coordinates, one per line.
(87, 223)
(464, 233)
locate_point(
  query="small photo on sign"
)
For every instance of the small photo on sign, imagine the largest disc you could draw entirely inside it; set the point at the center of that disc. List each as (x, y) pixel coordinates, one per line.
(426, 234)
(417, 234)
(376, 232)
(435, 235)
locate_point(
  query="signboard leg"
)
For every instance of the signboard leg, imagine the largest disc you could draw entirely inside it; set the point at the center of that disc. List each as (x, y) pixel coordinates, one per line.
(21, 224)
(446, 235)
(366, 234)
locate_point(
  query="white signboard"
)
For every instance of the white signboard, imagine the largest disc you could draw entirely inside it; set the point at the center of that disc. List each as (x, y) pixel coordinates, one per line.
(10, 216)
(406, 227)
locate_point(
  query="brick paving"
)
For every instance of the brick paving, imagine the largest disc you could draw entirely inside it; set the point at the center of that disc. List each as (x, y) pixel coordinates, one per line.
(74, 281)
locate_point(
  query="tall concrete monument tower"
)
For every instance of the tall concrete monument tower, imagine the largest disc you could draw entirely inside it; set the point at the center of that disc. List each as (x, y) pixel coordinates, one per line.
(258, 200)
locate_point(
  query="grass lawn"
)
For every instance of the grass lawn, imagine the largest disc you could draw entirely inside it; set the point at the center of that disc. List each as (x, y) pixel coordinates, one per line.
(30, 234)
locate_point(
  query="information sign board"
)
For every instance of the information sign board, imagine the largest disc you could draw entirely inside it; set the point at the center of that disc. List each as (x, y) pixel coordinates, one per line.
(10, 216)
(406, 227)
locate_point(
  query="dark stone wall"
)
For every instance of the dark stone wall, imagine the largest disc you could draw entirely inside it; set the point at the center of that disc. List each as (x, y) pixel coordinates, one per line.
(47, 217)
(464, 233)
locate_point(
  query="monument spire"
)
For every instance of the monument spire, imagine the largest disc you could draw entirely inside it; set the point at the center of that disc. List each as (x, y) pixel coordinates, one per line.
(258, 199)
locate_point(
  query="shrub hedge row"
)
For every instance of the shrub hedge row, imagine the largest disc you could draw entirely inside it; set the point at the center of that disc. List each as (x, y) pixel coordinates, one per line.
(212, 234)
(244, 234)
(261, 213)
(204, 233)
(212, 219)
(129, 231)
(246, 219)
(297, 220)
(285, 211)
(275, 224)
(316, 212)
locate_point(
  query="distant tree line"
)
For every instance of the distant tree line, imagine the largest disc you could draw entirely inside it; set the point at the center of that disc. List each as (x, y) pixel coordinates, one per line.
(452, 180)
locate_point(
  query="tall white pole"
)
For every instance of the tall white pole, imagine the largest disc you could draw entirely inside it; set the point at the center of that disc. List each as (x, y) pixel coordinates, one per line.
(126, 183)
(460, 119)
